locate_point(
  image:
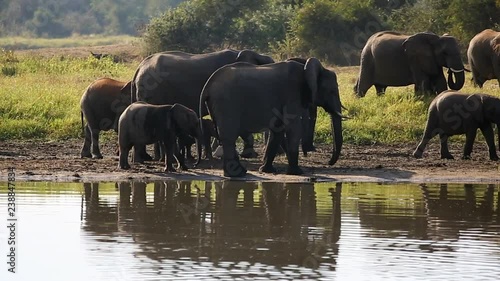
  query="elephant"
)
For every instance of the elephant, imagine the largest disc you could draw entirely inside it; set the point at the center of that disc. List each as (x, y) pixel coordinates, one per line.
(244, 98)
(178, 77)
(454, 113)
(101, 104)
(142, 124)
(484, 57)
(393, 59)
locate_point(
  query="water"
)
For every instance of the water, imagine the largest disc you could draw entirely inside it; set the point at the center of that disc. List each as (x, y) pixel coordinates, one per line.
(252, 231)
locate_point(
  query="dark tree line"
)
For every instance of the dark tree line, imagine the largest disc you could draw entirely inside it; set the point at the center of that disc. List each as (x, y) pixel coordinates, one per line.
(334, 30)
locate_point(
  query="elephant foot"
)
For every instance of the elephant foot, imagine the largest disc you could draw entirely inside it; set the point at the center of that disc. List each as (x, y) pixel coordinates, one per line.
(97, 156)
(417, 154)
(234, 170)
(495, 158)
(147, 157)
(183, 167)
(124, 166)
(267, 169)
(448, 156)
(466, 157)
(249, 153)
(169, 169)
(85, 155)
(294, 171)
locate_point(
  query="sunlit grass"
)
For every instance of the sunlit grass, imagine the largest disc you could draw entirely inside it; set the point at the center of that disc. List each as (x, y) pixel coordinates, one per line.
(19, 43)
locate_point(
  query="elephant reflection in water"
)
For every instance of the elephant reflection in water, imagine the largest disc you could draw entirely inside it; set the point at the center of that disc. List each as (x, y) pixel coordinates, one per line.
(183, 216)
(433, 218)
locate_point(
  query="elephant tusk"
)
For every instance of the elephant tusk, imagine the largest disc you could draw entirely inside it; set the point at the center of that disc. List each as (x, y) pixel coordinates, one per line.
(457, 71)
(342, 116)
(343, 107)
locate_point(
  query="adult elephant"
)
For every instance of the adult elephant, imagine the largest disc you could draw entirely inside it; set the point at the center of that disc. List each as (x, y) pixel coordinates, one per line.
(244, 98)
(178, 77)
(394, 59)
(484, 56)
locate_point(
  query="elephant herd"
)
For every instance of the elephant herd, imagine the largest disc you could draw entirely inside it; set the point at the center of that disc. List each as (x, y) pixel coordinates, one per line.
(245, 93)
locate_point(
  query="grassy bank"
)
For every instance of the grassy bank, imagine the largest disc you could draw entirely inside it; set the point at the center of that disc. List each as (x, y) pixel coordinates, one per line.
(20, 43)
(40, 100)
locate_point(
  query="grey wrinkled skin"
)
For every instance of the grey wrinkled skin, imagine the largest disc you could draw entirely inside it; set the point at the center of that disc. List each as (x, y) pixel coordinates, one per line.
(178, 77)
(484, 57)
(142, 124)
(393, 59)
(455, 113)
(101, 104)
(243, 98)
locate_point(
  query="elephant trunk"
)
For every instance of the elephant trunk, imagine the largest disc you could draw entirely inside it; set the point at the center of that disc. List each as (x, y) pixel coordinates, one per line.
(337, 137)
(459, 76)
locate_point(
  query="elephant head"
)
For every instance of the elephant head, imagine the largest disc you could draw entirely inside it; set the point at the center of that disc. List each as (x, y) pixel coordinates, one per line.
(432, 52)
(253, 58)
(186, 120)
(325, 93)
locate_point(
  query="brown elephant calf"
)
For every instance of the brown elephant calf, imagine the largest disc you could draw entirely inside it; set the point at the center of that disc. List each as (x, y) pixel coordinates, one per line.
(102, 104)
(454, 113)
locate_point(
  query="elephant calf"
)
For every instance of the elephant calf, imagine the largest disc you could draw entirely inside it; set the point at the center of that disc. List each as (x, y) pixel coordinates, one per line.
(142, 124)
(101, 104)
(453, 113)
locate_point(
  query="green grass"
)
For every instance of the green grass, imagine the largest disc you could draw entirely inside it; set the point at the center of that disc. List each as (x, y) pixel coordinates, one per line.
(40, 100)
(20, 43)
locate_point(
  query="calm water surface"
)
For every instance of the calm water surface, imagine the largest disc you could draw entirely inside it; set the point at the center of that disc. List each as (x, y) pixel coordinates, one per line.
(252, 231)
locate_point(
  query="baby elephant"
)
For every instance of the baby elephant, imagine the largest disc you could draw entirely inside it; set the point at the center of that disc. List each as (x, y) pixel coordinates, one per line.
(453, 113)
(101, 104)
(142, 124)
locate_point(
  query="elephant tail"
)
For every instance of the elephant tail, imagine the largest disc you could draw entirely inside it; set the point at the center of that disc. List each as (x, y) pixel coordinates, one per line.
(83, 127)
(133, 87)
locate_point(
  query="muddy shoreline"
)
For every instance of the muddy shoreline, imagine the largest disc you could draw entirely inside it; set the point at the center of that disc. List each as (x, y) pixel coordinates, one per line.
(59, 161)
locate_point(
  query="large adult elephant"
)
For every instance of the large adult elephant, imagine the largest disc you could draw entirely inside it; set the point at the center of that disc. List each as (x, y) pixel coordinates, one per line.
(244, 98)
(484, 56)
(178, 77)
(394, 59)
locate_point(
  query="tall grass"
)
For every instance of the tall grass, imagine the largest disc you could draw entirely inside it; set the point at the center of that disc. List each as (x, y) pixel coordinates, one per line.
(41, 100)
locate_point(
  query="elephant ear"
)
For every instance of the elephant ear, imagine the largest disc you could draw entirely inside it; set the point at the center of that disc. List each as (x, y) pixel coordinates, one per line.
(312, 71)
(127, 89)
(253, 58)
(421, 49)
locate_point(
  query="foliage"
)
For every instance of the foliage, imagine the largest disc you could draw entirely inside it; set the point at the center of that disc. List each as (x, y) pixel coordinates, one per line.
(61, 18)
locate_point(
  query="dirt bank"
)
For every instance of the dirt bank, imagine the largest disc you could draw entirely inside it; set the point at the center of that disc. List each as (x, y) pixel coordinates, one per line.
(60, 161)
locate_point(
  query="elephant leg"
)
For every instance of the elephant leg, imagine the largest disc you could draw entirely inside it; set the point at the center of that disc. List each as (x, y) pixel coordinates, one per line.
(439, 84)
(232, 165)
(248, 150)
(168, 144)
(180, 157)
(489, 136)
(96, 153)
(445, 151)
(85, 153)
(380, 89)
(140, 154)
(470, 137)
(124, 150)
(293, 140)
(158, 154)
(308, 125)
(431, 130)
(272, 147)
(366, 76)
